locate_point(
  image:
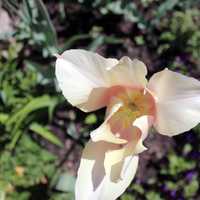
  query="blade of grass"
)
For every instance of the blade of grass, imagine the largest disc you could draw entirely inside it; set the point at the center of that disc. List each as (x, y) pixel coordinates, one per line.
(18, 118)
(34, 104)
(45, 133)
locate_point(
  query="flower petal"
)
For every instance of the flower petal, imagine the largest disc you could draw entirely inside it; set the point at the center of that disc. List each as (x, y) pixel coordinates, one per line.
(177, 102)
(104, 132)
(94, 174)
(115, 128)
(79, 73)
(128, 73)
(85, 77)
(143, 123)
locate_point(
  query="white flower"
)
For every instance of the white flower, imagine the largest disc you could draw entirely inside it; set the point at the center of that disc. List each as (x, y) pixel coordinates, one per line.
(169, 101)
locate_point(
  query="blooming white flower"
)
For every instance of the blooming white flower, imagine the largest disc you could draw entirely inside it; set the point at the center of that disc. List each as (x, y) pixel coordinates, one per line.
(169, 101)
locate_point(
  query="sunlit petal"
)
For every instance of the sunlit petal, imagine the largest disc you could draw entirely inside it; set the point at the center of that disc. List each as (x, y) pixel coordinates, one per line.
(104, 132)
(177, 102)
(143, 123)
(129, 73)
(95, 171)
(79, 74)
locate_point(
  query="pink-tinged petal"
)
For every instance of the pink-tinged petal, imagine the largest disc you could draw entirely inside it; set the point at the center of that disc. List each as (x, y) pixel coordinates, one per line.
(83, 78)
(88, 80)
(104, 132)
(132, 136)
(120, 127)
(95, 172)
(128, 73)
(177, 102)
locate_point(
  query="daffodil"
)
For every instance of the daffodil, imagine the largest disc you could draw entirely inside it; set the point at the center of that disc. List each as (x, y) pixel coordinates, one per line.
(169, 101)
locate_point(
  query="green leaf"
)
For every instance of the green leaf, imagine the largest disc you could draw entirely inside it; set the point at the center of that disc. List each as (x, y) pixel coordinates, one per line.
(91, 119)
(49, 28)
(138, 188)
(3, 117)
(96, 43)
(66, 183)
(34, 104)
(139, 40)
(62, 196)
(127, 197)
(16, 120)
(153, 195)
(45, 133)
(72, 131)
(166, 6)
(191, 189)
(36, 26)
(72, 40)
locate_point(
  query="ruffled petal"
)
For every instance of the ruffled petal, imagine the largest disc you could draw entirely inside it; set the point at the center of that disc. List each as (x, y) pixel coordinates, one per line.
(100, 163)
(129, 73)
(83, 78)
(177, 102)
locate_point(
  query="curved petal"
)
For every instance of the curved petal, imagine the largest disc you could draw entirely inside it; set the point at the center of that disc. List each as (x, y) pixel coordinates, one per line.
(104, 132)
(117, 129)
(177, 102)
(143, 123)
(133, 135)
(79, 73)
(95, 172)
(128, 73)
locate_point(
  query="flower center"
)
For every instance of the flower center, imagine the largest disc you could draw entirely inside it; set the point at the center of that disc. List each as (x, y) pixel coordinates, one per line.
(134, 104)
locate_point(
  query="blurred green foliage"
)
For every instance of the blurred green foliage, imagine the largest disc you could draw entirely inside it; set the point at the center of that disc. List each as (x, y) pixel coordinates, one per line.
(163, 33)
(183, 34)
(28, 166)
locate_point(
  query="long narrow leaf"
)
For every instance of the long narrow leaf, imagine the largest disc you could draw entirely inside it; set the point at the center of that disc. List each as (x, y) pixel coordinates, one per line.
(49, 28)
(34, 104)
(45, 133)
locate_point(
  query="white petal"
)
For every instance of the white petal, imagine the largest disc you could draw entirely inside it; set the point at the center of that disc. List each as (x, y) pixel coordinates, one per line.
(137, 132)
(104, 133)
(177, 102)
(143, 123)
(94, 181)
(112, 190)
(79, 73)
(84, 77)
(128, 73)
